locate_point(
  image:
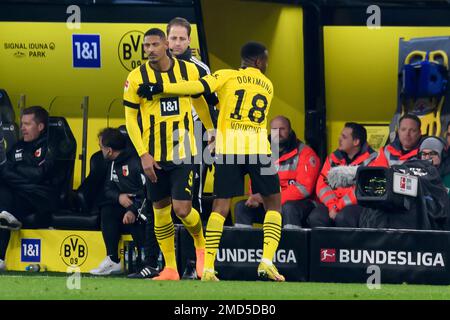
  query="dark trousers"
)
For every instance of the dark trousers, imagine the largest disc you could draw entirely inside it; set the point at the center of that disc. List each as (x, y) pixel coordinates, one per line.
(200, 168)
(20, 206)
(143, 234)
(346, 218)
(294, 214)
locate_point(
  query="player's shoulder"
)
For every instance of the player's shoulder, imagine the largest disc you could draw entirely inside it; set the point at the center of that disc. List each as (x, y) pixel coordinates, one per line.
(135, 74)
(265, 78)
(191, 68)
(226, 72)
(187, 63)
(201, 66)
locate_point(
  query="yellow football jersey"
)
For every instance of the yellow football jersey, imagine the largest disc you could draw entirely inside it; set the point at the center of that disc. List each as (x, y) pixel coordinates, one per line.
(244, 96)
(166, 129)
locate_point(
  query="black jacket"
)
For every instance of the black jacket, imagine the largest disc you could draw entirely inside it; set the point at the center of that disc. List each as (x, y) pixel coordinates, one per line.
(29, 169)
(125, 175)
(29, 163)
(203, 70)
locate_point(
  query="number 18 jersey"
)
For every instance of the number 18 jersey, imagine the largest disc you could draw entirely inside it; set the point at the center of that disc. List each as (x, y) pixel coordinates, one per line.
(244, 96)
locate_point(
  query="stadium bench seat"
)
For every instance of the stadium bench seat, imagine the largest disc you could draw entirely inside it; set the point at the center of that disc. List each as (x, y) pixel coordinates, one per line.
(85, 214)
(6, 107)
(9, 127)
(10, 133)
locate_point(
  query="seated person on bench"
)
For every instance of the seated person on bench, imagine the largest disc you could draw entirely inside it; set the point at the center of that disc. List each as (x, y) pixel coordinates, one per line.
(25, 178)
(124, 199)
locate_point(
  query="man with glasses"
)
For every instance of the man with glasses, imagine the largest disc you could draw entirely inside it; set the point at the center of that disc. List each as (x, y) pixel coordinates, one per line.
(434, 149)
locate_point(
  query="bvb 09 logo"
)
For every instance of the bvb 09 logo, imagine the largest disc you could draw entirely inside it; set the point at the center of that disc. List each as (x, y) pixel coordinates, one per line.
(73, 251)
(131, 52)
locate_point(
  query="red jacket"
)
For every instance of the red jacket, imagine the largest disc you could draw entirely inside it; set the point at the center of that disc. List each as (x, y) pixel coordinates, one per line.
(298, 171)
(341, 197)
(392, 154)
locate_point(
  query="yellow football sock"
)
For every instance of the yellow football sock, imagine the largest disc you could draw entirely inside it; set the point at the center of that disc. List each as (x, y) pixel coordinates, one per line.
(165, 234)
(214, 230)
(272, 234)
(193, 224)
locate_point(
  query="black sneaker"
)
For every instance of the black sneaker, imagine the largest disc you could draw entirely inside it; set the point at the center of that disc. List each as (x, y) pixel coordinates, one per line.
(145, 273)
(190, 273)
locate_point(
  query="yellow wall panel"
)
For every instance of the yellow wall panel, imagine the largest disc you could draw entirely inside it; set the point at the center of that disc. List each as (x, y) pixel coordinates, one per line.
(53, 79)
(361, 73)
(230, 24)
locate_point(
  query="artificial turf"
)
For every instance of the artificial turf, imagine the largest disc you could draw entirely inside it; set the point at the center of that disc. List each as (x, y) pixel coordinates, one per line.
(17, 286)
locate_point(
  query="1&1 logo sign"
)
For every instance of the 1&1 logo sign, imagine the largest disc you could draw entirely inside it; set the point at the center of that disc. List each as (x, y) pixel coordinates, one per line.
(131, 52)
(86, 50)
(30, 250)
(73, 251)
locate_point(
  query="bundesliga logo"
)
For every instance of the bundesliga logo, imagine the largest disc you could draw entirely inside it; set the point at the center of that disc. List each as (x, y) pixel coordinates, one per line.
(327, 255)
(358, 256)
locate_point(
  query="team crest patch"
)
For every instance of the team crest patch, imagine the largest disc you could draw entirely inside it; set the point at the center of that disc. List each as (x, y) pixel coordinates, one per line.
(38, 153)
(125, 171)
(312, 161)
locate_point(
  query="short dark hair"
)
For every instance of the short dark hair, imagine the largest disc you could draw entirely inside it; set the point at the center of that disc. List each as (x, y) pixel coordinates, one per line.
(253, 50)
(113, 138)
(178, 21)
(358, 132)
(412, 117)
(155, 32)
(40, 114)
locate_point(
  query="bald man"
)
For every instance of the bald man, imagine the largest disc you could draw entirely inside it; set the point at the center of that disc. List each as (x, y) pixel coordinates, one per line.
(298, 168)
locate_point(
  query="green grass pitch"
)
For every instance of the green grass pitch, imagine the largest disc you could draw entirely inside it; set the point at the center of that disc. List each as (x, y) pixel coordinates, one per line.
(47, 286)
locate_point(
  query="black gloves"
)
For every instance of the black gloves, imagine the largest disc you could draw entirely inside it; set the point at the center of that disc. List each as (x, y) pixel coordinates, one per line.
(148, 90)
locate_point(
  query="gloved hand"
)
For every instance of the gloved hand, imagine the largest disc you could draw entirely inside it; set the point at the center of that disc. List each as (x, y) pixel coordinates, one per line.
(148, 90)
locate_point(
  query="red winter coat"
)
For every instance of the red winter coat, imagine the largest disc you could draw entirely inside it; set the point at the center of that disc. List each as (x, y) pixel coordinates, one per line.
(341, 197)
(392, 154)
(298, 171)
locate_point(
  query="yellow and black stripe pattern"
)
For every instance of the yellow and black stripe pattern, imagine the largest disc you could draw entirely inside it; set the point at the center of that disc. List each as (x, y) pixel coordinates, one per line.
(164, 232)
(165, 235)
(167, 124)
(214, 230)
(272, 234)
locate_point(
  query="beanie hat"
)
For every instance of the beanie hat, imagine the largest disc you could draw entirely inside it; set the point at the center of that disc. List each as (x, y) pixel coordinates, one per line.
(433, 143)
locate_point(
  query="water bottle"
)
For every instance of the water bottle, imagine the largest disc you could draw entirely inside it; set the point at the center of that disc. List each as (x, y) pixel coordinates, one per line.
(34, 268)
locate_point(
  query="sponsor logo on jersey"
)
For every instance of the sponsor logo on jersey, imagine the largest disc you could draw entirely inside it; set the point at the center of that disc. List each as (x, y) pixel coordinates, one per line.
(170, 106)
